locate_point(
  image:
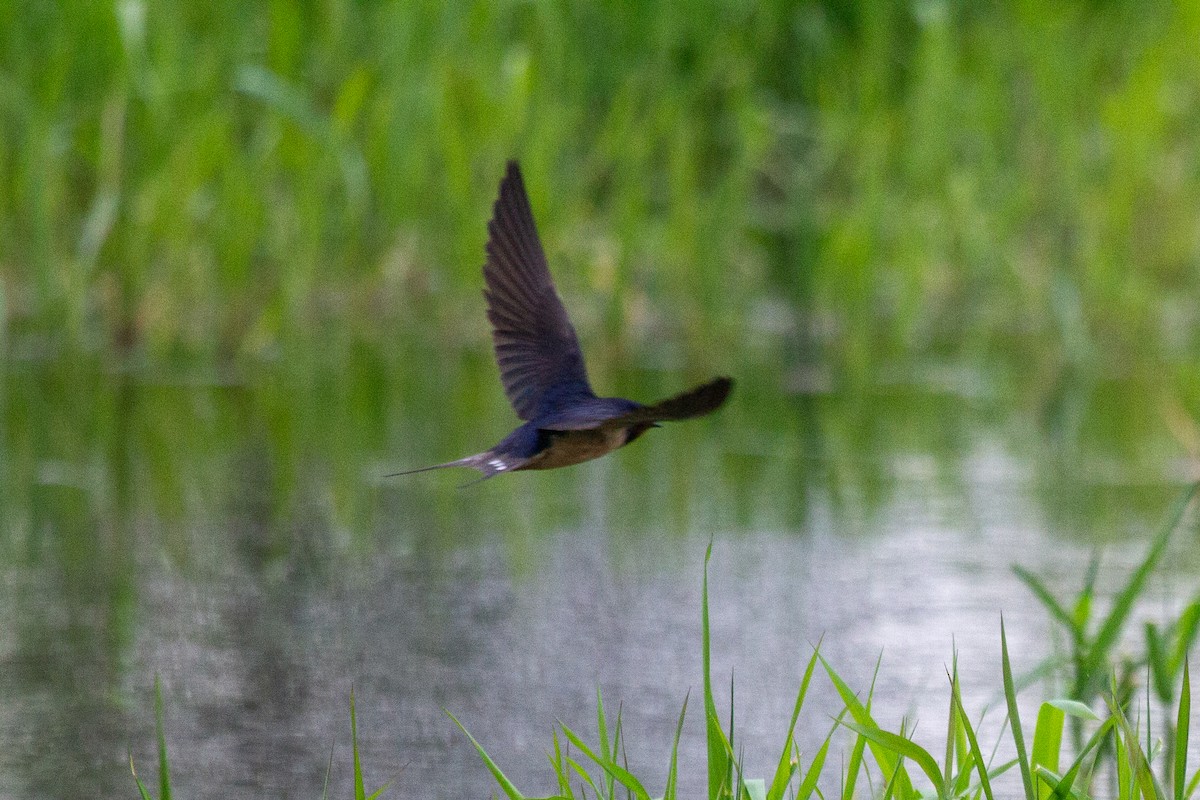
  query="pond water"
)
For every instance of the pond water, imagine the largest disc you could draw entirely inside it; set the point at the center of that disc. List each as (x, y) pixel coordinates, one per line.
(234, 537)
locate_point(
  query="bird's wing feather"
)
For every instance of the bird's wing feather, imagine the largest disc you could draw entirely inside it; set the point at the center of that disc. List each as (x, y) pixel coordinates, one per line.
(697, 402)
(536, 347)
(596, 415)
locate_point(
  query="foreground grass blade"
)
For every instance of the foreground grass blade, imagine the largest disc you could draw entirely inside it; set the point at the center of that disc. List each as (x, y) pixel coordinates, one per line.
(903, 747)
(360, 792)
(328, 772)
(612, 767)
(560, 763)
(1182, 721)
(893, 771)
(1061, 786)
(853, 766)
(951, 731)
(145, 794)
(585, 776)
(164, 769)
(720, 764)
(1047, 741)
(510, 790)
(976, 753)
(809, 784)
(1098, 653)
(1014, 717)
(609, 751)
(754, 789)
(672, 771)
(786, 767)
(164, 772)
(1048, 600)
(1143, 775)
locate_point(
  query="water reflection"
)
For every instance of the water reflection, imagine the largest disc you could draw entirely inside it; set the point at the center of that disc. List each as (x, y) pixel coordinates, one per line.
(230, 532)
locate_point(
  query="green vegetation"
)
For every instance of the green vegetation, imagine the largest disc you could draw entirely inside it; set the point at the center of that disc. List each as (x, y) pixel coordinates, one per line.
(1111, 762)
(164, 775)
(1113, 749)
(878, 178)
(240, 250)
(243, 235)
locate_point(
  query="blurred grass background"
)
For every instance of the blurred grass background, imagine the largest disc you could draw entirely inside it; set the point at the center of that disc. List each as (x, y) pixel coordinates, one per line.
(283, 204)
(950, 251)
(214, 182)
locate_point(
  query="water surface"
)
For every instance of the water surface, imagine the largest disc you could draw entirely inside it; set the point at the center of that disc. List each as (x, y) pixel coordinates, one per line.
(236, 539)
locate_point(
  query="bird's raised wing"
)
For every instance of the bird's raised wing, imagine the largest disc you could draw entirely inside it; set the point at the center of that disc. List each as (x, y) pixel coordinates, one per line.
(536, 347)
(697, 402)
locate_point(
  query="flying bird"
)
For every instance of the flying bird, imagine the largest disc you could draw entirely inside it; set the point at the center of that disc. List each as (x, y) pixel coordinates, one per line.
(541, 363)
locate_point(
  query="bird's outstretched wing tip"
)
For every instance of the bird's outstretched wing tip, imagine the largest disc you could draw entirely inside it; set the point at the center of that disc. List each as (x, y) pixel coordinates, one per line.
(512, 175)
(721, 388)
(716, 391)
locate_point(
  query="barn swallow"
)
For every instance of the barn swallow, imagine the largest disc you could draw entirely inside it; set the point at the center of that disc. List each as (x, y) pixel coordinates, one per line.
(541, 363)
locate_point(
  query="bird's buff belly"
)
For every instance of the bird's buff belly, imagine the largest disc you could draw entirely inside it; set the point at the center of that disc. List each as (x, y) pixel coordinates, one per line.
(573, 447)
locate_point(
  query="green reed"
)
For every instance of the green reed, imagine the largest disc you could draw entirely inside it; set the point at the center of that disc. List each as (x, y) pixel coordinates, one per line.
(263, 223)
(1117, 759)
(867, 180)
(1113, 747)
(164, 774)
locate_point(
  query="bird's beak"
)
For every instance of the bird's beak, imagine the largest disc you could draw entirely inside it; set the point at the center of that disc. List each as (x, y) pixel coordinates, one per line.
(655, 424)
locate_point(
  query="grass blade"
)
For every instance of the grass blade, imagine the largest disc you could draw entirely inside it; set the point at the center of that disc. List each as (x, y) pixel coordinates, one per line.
(510, 790)
(556, 763)
(359, 792)
(328, 772)
(141, 786)
(853, 767)
(582, 773)
(785, 768)
(720, 764)
(672, 771)
(611, 766)
(754, 789)
(1192, 784)
(1014, 717)
(1048, 600)
(809, 784)
(1074, 708)
(1047, 741)
(903, 747)
(608, 751)
(1061, 787)
(887, 765)
(1182, 721)
(976, 753)
(951, 730)
(164, 768)
(1143, 775)
(1097, 654)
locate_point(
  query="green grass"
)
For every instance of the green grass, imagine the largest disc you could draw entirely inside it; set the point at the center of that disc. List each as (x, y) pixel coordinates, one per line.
(1114, 752)
(268, 221)
(164, 774)
(967, 770)
(889, 178)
